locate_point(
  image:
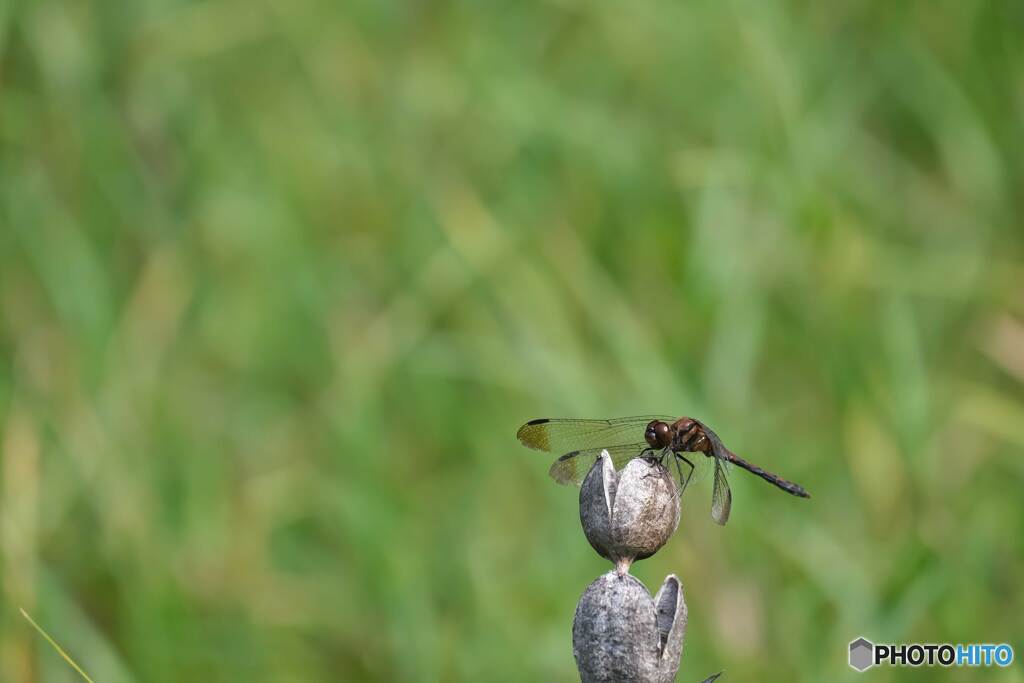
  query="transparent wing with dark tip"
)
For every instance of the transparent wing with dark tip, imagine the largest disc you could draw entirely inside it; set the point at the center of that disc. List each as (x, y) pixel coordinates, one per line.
(721, 497)
(561, 435)
(572, 467)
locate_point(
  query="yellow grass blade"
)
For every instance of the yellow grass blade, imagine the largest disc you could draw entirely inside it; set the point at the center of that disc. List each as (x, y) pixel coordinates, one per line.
(56, 647)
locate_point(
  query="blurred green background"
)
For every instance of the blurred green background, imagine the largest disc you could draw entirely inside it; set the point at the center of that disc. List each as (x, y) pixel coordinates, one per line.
(280, 280)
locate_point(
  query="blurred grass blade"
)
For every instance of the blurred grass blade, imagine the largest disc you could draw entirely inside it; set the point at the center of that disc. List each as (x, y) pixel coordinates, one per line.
(56, 647)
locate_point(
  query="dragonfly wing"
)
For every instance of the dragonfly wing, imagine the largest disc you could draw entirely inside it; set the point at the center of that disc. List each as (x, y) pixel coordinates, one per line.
(718, 448)
(701, 466)
(572, 467)
(721, 498)
(561, 435)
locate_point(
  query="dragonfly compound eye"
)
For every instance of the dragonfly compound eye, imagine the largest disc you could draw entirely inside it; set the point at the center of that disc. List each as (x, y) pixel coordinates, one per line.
(658, 435)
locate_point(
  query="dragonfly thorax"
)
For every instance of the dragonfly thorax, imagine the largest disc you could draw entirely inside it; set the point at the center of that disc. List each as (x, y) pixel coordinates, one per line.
(687, 435)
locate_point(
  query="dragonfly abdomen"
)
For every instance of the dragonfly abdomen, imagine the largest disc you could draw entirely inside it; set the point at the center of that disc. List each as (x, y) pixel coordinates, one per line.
(784, 484)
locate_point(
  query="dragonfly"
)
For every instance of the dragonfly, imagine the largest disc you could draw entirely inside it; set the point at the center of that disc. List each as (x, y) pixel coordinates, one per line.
(654, 437)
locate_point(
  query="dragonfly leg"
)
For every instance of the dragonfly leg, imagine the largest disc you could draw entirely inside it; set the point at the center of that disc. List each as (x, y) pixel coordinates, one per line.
(679, 470)
(683, 483)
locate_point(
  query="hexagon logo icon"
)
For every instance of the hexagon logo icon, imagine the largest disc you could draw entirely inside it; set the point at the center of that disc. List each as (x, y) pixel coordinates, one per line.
(862, 653)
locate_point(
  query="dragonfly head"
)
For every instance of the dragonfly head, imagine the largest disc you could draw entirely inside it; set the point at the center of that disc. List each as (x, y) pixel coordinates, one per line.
(658, 434)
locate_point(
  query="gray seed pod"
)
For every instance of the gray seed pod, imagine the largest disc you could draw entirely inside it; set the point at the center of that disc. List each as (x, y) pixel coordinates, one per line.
(621, 634)
(628, 515)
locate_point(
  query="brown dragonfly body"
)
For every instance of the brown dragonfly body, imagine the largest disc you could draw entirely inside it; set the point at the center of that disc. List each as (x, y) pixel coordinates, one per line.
(664, 438)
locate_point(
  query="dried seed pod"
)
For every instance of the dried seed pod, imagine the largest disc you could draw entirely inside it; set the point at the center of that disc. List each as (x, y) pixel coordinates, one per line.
(621, 634)
(628, 515)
